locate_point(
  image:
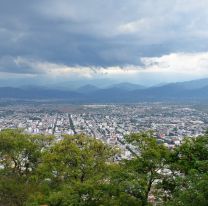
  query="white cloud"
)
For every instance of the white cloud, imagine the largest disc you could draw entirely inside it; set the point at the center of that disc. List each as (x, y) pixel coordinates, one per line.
(181, 63)
(172, 66)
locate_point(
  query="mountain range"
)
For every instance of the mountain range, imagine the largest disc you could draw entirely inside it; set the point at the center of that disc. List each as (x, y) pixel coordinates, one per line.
(196, 90)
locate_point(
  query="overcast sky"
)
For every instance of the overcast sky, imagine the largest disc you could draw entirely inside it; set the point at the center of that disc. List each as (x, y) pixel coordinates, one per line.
(140, 41)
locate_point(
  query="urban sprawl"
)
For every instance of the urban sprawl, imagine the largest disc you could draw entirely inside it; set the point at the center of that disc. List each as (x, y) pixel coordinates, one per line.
(110, 123)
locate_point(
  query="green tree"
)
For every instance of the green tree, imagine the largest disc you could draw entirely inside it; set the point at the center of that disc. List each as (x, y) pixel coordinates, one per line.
(20, 155)
(79, 170)
(139, 175)
(76, 170)
(189, 165)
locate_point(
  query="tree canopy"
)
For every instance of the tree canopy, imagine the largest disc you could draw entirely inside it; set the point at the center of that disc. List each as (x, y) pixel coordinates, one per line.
(80, 170)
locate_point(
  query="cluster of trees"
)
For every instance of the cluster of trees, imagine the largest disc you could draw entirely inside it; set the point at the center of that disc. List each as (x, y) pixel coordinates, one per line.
(78, 170)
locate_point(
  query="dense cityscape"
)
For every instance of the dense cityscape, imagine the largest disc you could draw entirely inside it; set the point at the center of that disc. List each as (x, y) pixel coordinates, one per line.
(170, 123)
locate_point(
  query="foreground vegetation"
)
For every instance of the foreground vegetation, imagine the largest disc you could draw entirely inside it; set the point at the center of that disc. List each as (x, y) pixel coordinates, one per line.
(78, 170)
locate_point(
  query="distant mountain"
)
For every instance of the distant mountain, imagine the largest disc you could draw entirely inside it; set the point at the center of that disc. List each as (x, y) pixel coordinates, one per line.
(76, 84)
(38, 93)
(127, 86)
(185, 91)
(120, 93)
(194, 84)
(87, 89)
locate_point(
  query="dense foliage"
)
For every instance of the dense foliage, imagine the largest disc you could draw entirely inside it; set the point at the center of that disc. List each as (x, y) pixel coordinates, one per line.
(78, 170)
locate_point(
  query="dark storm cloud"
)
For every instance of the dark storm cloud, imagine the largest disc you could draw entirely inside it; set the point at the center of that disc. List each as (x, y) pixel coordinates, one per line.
(98, 33)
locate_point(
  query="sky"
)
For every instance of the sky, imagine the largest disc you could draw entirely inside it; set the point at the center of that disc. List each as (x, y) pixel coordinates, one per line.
(57, 42)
